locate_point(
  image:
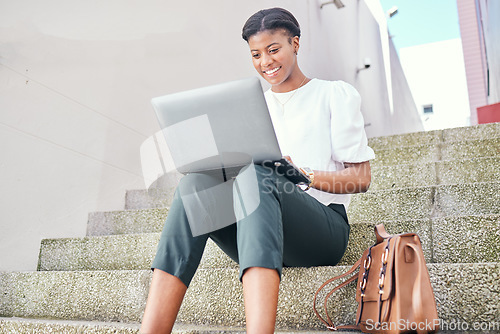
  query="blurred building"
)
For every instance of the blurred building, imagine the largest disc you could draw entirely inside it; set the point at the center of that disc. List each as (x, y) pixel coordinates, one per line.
(480, 31)
(436, 75)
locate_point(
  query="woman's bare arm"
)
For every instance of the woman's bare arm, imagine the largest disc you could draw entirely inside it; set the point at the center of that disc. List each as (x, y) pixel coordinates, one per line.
(355, 178)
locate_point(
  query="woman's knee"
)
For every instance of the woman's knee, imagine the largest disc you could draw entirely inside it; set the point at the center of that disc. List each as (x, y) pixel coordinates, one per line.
(259, 174)
(264, 171)
(195, 182)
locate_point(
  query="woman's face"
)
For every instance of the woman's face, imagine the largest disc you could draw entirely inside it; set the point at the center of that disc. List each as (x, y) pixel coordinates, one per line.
(274, 57)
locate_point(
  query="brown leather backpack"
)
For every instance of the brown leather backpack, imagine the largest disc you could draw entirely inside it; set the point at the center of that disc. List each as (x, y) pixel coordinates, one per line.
(394, 292)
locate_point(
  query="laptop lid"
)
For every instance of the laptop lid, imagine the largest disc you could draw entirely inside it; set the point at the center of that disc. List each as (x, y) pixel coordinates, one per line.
(220, 126)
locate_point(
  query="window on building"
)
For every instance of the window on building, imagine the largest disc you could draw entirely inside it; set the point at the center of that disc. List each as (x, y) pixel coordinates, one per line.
(428, 109)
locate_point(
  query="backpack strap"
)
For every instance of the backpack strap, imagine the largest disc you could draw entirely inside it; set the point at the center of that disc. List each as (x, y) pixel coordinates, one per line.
(381, 233)
(329, 323)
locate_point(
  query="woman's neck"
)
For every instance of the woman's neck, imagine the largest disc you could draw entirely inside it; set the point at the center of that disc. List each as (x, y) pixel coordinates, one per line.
(292, 83)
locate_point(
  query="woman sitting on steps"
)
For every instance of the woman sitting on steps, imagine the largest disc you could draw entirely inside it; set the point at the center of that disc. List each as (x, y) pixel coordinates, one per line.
(319, 125)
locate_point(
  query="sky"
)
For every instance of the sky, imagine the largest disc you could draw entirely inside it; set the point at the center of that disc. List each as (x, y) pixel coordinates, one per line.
(422, 21)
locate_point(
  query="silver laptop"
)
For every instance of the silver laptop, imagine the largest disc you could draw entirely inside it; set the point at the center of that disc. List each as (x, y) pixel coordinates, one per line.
(221, 129)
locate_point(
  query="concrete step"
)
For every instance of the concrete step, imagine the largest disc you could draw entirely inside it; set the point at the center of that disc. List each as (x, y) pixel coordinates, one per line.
(137, 199)
(477, 132)
(436, 173)
(113, 252)
(21, 325)
(75, 295)
(466, 171)
(385, 205)
(471, 149)
(383, 178)
(406, 155)
(452, 239)
(126, 222)
(466, 239)
(426, 153)
(426, 202)
(464, 292)
(404, 176)
(406, 139)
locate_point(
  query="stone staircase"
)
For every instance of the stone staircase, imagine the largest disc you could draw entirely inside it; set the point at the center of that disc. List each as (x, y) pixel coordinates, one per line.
(444, 185)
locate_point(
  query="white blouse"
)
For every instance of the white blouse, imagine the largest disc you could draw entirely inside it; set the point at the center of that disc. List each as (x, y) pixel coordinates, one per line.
(320, 126)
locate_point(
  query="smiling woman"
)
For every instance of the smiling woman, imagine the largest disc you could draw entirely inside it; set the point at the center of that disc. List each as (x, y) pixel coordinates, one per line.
(273, 37)
(274, 57)
(317, 123)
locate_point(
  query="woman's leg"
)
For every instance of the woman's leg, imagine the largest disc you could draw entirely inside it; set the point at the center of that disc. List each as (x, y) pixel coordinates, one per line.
(314, 235)
(260, 293)
(176, 261)
(260, 251)
(288, 227)
(164, 301)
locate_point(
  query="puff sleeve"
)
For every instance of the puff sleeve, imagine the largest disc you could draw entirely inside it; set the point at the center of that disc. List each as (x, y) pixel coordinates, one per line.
(348, 138)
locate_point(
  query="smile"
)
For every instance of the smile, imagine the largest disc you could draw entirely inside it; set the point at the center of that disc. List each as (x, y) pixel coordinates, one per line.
(273, 71)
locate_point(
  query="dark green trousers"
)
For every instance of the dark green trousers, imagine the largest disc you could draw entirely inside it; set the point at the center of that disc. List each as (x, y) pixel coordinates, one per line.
(289, 228)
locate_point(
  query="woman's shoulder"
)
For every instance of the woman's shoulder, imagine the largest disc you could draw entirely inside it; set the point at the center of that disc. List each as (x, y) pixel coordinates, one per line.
(338, 85)
(336, 88)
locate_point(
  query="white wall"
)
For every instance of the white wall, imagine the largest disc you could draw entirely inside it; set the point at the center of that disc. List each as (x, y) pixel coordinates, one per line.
(436, 75)
(76, 79)
(406, 117)
(359, 31)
